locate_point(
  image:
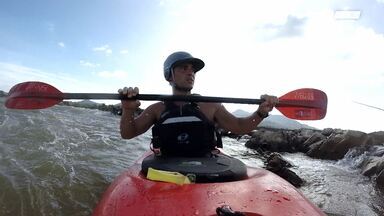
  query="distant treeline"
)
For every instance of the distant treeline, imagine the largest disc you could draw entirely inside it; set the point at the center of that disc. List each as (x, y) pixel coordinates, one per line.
(3, 93)
(114, 109)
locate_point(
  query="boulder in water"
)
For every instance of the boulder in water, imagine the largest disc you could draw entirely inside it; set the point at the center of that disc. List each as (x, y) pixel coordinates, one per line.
(278, 165)
(380, 179)
(372, 166)
(337, 145)
(378, 137)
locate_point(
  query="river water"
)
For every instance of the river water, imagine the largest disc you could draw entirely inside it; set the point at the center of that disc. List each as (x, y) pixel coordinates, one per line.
(58, 161)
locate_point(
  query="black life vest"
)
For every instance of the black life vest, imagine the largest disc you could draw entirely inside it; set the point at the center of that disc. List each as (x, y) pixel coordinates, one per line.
(184, 131)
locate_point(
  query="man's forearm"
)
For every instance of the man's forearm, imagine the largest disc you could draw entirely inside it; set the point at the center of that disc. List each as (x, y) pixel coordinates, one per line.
(127, 124)
(249, 123)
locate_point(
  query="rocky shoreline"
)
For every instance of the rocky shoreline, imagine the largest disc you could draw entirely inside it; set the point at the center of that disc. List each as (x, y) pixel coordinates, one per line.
(329, 144)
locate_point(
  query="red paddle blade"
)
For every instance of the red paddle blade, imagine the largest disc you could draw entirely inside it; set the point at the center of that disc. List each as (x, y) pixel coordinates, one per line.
(304, 104)
(33, 95)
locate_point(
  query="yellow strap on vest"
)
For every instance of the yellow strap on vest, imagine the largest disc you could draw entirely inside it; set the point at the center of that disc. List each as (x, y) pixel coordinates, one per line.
(167, 176)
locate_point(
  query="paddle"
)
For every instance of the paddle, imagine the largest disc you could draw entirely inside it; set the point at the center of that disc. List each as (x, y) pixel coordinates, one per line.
(301, 104)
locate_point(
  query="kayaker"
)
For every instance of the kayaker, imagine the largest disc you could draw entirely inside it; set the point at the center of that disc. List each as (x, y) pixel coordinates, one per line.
(182, 128)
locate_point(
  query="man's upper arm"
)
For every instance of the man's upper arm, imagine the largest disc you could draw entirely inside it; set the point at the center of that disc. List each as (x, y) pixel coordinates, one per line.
(225, 119)
(146, 119)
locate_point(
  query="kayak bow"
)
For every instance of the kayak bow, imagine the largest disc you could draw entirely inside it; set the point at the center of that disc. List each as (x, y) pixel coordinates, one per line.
(261, 193)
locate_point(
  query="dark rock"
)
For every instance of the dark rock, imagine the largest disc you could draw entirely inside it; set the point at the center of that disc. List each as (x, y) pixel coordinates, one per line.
(372, 166)
(291, 177)
(380, 179)
(378, 137)
(314, 138)
(321, 149)
(377, 150)
(336, 146)
(276, 162)
(327, 144)
(278, 165)
(314, 149)
(268, 140)
(279, 140)
(327, 131)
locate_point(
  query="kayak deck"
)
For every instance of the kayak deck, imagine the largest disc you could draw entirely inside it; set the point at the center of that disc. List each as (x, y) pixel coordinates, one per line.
(262, 193)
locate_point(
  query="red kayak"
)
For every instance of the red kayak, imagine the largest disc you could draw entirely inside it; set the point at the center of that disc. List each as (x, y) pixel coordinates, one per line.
(258, 192)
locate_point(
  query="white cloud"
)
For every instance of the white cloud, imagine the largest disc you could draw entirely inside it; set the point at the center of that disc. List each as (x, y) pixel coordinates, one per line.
(105, 49)
(124, 52)
(89, 64)
(118, 74)
(14, 73)
(61, 44)
(347, 14)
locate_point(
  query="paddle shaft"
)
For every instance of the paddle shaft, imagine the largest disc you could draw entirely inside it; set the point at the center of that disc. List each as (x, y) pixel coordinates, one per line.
(188, 98)
(158, 97)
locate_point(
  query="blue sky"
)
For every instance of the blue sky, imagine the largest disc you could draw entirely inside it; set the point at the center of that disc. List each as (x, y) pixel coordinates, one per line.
(249, 47)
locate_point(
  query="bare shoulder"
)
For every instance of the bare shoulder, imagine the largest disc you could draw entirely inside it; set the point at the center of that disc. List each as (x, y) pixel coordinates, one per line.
(155, 109)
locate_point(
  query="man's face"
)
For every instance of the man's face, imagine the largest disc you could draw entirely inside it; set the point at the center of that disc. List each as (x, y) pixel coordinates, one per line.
(184, 75)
